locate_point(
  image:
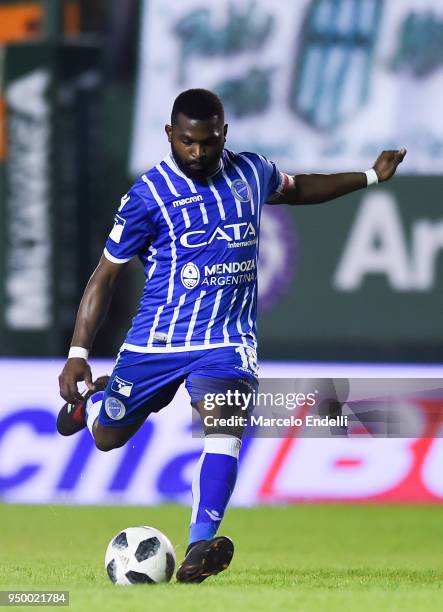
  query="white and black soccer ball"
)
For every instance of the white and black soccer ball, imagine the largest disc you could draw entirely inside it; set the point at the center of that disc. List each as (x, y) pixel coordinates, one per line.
(140, 555)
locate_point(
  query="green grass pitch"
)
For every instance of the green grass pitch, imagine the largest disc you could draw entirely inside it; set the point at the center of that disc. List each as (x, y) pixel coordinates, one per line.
(331, 557)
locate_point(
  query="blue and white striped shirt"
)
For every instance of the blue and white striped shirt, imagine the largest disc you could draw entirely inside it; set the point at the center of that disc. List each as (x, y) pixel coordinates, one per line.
(198, 242)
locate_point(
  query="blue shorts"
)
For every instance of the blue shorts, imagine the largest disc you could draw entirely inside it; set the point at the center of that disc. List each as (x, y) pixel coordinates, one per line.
(142, 383)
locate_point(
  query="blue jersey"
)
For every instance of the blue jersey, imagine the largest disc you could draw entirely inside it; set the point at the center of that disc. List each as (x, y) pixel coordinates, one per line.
(198, 242)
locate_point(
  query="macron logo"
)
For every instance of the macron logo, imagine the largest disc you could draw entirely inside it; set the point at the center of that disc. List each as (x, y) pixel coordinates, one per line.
(196, 198)
(213, 514)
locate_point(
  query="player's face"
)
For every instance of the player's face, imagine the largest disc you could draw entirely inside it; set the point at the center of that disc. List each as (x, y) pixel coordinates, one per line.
(197, 145)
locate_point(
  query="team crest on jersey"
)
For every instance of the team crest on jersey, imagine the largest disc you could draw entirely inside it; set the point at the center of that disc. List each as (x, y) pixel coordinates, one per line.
(115, 408)
(241, 191)
(190, 275)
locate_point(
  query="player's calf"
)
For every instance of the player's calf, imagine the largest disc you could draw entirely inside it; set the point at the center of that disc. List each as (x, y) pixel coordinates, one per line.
(109, 438)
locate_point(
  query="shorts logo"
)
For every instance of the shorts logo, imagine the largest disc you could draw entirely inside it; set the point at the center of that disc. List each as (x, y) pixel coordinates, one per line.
(115, 408)
(241, 190)
(122, 386)
(190, 275)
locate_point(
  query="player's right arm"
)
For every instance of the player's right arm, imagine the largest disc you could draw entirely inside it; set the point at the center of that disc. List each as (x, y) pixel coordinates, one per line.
(131, 233)
(91, 314)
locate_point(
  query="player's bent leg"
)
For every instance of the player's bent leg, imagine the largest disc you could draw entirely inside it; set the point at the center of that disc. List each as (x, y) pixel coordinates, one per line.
(107, 438)
(139, 385)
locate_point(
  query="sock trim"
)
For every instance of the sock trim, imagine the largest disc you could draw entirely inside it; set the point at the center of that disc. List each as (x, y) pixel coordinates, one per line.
(92, 410)
(223, 445)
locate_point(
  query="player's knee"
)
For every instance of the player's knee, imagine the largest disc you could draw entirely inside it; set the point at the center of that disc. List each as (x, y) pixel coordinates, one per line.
(108, 443)
(104, 445)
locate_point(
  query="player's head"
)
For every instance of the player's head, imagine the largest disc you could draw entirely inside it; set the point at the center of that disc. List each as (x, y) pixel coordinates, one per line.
(197, 132)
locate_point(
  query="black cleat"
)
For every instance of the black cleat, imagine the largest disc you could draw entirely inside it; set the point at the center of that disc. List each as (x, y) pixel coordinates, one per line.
(71, 417)
(206, 558)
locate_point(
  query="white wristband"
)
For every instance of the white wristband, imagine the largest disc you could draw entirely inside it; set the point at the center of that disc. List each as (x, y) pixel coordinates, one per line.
(78, 352)
(371, 177)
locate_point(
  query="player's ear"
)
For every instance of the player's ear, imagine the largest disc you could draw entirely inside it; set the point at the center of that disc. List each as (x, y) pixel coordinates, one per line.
(168, 130)
(225, 129)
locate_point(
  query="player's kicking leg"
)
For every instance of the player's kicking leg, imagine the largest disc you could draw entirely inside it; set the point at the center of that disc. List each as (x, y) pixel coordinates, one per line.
(216, 471)
(212, 486)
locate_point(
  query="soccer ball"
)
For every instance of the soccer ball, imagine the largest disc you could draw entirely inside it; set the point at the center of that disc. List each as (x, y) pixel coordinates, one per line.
(140, 555)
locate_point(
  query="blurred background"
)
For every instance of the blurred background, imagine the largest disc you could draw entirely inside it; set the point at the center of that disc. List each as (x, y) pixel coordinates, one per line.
(316, 85)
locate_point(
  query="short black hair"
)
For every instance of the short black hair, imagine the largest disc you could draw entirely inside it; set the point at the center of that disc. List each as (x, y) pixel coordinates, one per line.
(197, 104)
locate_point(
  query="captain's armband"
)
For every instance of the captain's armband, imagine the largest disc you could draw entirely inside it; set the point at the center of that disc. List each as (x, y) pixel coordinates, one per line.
(287, 183)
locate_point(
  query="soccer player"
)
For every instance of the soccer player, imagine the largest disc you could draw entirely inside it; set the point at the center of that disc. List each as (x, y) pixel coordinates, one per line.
(194, 222)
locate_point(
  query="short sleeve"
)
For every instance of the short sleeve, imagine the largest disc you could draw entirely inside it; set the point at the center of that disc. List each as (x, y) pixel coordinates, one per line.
(132, 229)
(273, 178)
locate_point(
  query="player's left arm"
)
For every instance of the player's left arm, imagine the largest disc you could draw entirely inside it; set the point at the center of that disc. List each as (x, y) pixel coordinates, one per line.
(318, 188)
